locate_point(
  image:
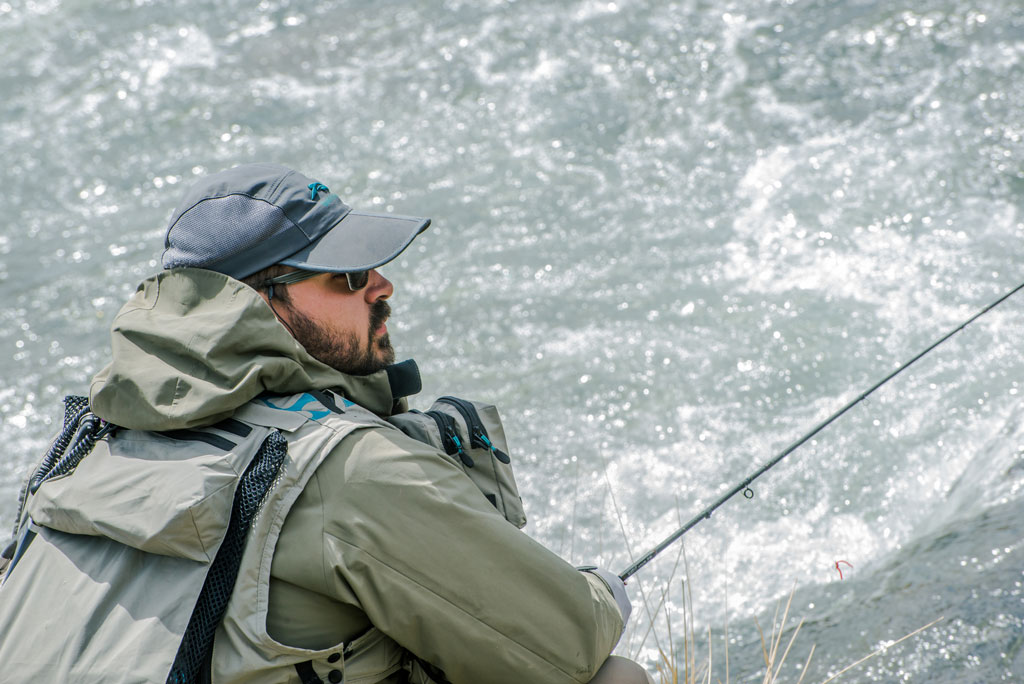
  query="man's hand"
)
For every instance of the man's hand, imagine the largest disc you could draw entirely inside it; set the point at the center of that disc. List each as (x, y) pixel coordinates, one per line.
(616, 586)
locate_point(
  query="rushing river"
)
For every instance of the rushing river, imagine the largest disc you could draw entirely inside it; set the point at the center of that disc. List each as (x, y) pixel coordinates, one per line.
(669, 238)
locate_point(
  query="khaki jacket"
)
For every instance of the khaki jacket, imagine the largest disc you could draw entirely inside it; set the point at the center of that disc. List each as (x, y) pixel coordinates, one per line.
(372, 553)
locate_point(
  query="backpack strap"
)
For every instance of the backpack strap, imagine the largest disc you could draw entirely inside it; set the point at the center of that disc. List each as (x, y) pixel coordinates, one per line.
(193, 660)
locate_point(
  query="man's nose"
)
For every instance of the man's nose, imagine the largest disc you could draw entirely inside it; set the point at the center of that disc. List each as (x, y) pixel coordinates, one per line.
(378, 287)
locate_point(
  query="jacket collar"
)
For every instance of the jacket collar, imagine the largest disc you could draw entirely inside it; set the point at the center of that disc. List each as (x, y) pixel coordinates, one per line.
(192, 345)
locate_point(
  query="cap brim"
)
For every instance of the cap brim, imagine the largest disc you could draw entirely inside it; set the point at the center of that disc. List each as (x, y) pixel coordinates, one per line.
(359, 242)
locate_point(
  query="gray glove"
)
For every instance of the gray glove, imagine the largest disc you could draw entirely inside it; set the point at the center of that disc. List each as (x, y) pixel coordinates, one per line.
(616, 586)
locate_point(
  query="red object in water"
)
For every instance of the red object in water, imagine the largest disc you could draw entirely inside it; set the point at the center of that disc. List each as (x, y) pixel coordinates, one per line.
(840, 569)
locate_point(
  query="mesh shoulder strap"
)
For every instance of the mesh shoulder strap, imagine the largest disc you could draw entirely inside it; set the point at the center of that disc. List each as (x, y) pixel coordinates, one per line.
(192, 662)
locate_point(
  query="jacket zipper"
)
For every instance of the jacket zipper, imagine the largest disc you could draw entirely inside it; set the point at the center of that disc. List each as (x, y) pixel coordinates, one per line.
(477, 433)
(450, 438)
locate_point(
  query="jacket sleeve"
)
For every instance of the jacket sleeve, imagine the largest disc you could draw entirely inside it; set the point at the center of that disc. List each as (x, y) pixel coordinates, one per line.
(435, 567)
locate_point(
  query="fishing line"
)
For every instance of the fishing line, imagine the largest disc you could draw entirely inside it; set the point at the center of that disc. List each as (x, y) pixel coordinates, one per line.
(744, 485)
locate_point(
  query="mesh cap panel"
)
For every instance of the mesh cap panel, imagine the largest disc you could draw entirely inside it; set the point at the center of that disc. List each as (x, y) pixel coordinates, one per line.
(221, 227)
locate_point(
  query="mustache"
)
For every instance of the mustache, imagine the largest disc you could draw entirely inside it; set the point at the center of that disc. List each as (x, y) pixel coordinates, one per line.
(380, 311)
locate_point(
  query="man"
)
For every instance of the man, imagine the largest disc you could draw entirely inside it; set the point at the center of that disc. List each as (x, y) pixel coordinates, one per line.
(261, 355)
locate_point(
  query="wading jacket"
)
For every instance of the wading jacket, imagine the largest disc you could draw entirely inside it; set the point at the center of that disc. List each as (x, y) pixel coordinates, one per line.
(372, 553)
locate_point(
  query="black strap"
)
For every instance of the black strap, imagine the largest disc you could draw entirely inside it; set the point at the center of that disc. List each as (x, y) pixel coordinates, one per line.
(307, 675)
(7, 563)
(327, 400)
(435, 673)
(200, 436)
(192, 662)
(235, 427)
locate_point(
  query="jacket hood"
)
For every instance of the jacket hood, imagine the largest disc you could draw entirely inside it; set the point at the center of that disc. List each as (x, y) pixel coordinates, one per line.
(192, 345)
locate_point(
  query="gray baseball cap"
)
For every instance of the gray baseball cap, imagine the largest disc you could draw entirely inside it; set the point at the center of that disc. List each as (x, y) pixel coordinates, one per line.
(241, 220)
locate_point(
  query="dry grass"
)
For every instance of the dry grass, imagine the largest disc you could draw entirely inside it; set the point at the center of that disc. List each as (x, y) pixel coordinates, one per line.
(686, 668)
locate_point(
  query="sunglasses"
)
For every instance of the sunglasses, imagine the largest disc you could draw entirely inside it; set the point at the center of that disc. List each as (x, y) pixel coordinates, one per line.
(357, 280)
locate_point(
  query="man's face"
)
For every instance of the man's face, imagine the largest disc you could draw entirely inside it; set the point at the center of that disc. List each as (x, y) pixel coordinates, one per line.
(339, 327)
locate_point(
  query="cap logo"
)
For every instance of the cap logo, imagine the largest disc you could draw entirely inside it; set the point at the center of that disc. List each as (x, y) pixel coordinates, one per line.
(314, 188)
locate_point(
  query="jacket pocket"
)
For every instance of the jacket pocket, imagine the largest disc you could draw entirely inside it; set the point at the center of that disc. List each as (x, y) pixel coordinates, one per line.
(472, 431)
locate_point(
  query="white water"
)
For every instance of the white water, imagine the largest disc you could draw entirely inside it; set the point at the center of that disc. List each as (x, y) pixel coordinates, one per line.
(669, 238)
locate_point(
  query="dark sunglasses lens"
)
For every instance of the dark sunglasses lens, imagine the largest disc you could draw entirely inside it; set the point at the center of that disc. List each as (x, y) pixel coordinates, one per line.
(358, 280)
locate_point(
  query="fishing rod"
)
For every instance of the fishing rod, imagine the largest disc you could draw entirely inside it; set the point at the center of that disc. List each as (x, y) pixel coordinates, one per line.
(744, 486)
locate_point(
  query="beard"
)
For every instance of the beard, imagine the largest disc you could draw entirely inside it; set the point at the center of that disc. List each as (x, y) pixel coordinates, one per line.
(343, 351)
